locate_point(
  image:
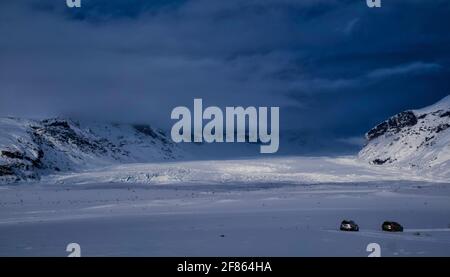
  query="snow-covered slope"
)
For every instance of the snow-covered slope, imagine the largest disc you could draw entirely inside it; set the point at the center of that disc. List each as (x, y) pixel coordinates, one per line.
(30, 148)
(417, 139)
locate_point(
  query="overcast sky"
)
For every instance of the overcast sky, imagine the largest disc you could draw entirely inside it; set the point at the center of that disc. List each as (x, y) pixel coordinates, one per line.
(333, 66)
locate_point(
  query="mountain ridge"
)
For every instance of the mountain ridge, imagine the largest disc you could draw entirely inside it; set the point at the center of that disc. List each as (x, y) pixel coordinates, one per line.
(415, 139)
(30, 148)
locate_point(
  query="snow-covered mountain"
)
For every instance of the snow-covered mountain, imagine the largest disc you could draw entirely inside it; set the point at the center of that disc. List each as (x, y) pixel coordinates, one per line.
(415, 139)
(30, 148)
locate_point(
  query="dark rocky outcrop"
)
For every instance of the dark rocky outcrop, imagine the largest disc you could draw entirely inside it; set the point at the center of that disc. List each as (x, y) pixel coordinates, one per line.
(393, 124)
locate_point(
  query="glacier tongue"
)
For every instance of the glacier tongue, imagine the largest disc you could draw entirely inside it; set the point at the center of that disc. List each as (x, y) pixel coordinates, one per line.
(30, 148)
(418, 139)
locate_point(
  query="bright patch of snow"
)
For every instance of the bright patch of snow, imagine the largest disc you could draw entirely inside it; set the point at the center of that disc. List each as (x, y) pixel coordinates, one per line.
(292, 170)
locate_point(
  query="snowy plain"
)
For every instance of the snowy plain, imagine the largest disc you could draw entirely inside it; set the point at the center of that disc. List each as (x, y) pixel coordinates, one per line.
(285, 206)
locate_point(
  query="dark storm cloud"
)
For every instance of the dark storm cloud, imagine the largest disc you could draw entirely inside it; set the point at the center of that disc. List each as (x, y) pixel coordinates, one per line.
(333, 66)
